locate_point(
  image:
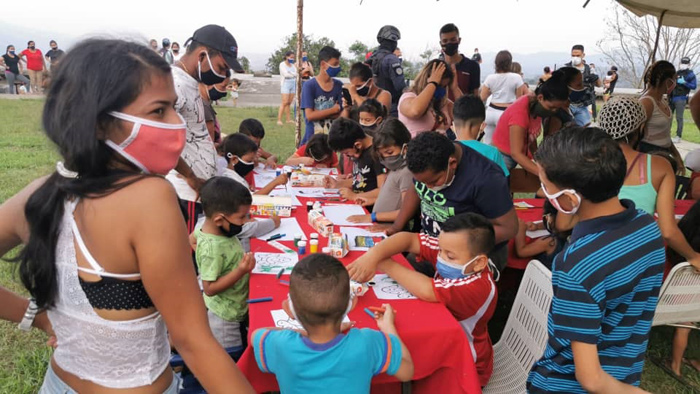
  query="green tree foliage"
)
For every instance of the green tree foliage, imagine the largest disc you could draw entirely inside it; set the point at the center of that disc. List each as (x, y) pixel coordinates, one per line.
(358, 50)
(245, 63)
(312, 46)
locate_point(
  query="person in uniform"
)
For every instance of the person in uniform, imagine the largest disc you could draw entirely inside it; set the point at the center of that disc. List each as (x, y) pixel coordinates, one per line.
(386, 66)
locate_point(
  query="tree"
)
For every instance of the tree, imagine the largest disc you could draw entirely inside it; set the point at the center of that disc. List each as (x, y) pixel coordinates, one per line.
(310, 45)
(358, 50)
(245, 63)
(631, 43)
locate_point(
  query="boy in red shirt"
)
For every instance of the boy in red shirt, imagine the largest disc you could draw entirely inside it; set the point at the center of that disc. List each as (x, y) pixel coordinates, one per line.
(463, 282)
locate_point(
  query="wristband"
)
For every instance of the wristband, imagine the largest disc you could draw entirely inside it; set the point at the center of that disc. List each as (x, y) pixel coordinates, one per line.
(29, 315)
(374, 217)
(433, 83)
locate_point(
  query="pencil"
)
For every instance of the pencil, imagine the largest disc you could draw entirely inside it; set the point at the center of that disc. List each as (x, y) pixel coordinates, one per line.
(257, 300)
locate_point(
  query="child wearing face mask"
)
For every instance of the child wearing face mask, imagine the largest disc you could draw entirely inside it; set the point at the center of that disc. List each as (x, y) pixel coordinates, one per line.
(223, 265)
(463, 282)
(240, 152)
(546, 248)
(606, 280)
(347, 137)
(390, 145)
(322, 358)
(315, 153)
(370, 114)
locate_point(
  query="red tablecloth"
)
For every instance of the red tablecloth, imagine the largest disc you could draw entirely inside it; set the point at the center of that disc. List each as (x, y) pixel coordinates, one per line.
(438, 345)
(534, 214)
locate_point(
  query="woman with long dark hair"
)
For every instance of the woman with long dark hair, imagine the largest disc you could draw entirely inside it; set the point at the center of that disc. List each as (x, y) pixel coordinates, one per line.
(504, 87)
(105, 246)
(659, 80)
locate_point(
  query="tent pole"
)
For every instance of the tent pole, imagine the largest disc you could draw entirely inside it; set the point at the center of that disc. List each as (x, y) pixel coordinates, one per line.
(300, 42)
(658, 34)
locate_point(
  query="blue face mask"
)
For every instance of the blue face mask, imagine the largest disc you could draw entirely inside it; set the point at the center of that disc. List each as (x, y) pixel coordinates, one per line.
(333, 71)
(304, 59)
(576, 96)
(440, 92)
(291, 61)
(453, 271)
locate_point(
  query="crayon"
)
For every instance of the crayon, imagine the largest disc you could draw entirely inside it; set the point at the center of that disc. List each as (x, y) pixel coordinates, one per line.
(279, 274)
(274, 237)
(370, 313)
(284, 282)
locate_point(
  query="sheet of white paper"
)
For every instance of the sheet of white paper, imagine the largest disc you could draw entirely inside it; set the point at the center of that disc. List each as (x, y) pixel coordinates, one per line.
(289, 227)
(282, 320)
(272, 263)
(523, 204)
(353, 232)
(262, 179)
(679, 217)
(338, 214)
(386, 288)
(282, 192)
(315, 192)
(537, 233)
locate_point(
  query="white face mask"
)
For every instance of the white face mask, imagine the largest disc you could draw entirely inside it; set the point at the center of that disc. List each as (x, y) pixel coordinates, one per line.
(446, 184)
(576, 61)
(554, 199)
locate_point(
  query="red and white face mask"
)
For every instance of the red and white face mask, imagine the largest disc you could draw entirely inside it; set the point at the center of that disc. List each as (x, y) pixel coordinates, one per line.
(153, 147)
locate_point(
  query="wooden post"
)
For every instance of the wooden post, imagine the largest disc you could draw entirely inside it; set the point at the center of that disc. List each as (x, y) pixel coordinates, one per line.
(658, 34)
(300, 42)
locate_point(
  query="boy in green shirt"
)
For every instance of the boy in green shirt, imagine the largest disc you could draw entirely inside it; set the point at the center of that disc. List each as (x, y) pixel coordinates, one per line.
(223, 265)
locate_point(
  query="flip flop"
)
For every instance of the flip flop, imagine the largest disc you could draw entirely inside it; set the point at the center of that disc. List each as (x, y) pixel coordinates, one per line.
(666, 367)
(695, 366)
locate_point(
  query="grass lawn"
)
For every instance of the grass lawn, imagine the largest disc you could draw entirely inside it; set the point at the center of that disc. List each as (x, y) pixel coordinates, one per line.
(26, 154)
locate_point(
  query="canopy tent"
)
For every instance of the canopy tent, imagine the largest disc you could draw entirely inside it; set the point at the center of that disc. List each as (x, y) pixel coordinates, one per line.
(675, 13)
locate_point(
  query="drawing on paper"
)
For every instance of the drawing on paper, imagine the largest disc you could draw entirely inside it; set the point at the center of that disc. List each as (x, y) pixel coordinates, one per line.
(282, 320)
(272, 263)
(386, 288)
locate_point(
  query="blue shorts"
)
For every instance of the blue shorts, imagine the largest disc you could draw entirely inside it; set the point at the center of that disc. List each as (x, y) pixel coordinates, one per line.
(289, 86)
(54, 385)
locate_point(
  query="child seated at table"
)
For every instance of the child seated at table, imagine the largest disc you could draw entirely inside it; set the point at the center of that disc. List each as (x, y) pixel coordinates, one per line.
(463, 282)
(240, 152)
(371, 114)
(543, 249)
(322, 358)
(223, 266)
(315, 153)
(347, 137)
(255, 130)
(469, 115)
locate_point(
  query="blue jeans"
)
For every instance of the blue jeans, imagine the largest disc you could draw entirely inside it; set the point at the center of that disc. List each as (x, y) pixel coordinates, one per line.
(581, 115)
(54, 385)
(678, 106)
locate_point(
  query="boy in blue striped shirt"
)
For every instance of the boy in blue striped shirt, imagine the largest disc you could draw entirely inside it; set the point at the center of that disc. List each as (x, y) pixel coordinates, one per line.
(607, 280)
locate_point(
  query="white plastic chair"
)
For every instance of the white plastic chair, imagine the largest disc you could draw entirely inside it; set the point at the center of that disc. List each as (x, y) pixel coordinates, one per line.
(525, 334)
(679, 298)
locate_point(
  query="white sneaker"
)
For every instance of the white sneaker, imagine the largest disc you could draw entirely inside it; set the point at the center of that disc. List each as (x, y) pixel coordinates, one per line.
(676, 140)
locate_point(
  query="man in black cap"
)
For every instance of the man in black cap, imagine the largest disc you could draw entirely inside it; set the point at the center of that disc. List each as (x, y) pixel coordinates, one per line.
(211, 52)
(685, 82)
(165, 52)
(386, 67)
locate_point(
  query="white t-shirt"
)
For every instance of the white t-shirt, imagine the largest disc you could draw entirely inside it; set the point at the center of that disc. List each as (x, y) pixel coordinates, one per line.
(287, 72)
(503, 87)
(199, 152)
(229, 173)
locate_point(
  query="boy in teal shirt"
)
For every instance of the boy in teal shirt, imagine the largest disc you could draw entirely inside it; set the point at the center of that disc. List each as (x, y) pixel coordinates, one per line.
(469, 114)
(223, 265)
(322, 359)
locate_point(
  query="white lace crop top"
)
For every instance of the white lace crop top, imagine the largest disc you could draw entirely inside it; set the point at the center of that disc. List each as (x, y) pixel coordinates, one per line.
(114, 354)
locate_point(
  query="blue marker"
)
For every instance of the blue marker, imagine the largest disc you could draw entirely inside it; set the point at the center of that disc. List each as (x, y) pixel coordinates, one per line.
(370, 313)
(274, 237)
(257, 300)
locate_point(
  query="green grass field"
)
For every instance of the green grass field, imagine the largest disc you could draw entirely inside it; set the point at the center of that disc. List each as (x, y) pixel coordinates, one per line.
(26, 154)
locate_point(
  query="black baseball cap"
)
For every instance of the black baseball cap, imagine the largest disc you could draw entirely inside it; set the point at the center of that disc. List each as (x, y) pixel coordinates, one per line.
(218, 38)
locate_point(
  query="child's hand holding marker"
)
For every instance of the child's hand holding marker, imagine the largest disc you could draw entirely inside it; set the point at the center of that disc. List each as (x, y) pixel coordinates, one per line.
(384, 316)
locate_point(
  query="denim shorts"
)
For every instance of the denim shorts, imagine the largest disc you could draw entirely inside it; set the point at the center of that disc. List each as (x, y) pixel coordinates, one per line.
(289, 86)
(509, 162)
(54, 385)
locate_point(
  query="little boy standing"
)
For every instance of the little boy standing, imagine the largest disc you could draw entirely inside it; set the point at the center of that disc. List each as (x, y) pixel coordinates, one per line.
(606, 282)
(323, 359)
(463, 282)
(223, 265)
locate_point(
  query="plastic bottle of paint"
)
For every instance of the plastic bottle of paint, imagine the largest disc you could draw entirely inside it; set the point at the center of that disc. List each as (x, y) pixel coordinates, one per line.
(313, 246)
(302, 247)
(297, 238)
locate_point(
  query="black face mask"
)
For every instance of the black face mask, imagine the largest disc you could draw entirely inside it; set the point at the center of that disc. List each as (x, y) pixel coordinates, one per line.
(209, 77)
(364, 91)
(242, 168)
(54, 49)
(233, 229)
(32, 47)
(540, 111)
(450, 49)
(215, 94)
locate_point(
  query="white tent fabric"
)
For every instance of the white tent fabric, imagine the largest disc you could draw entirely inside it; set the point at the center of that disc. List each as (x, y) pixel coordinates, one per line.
(679, 13)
